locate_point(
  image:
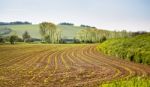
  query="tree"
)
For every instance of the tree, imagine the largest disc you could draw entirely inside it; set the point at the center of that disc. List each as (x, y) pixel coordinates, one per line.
(88, 35)
(50, 33)
(26, 37)
(51, 28)
(43, 30)
(13, 39)
(2, 39)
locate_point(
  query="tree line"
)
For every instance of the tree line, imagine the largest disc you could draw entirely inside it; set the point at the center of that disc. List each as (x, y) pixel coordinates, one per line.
(14, 23)
(93, 35)
(65, 23)
(86, 26)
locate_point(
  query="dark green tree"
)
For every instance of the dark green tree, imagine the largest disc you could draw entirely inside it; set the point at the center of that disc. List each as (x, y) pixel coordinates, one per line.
(26, 36)
(13, 39)
(2, 39)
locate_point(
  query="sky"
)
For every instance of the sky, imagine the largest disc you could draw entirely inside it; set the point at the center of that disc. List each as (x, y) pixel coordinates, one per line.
(130, 15)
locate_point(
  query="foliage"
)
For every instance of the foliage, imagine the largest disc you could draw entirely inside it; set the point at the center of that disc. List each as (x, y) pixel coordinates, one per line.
(50, 33)
(93, 35)
(14, 23)
(86, 26)
(13, 39)
(133, 82)
(139, 33)
(65, 23)
(90, 35)
(135, 49)
(1, 39)
(26, 37)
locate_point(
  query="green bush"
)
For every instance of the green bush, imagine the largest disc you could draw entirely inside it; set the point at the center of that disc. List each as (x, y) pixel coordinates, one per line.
(135, 49)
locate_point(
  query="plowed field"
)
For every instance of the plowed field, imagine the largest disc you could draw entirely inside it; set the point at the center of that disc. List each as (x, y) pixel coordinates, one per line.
(71, 65)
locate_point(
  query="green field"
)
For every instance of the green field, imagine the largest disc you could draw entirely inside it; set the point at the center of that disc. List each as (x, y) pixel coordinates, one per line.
(135, 49)
(68, 32)
(133, 82)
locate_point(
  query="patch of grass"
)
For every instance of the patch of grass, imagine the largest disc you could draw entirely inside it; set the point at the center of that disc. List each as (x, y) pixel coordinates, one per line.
(135, 49)
(133, 82)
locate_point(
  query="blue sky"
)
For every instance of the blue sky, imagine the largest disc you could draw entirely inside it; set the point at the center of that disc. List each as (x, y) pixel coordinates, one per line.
(131, 15)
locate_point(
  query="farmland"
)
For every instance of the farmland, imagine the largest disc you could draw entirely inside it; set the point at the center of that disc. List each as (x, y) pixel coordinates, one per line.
(65, 65)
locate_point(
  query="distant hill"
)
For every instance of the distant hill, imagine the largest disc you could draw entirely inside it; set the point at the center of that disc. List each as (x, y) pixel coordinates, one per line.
(68, 32)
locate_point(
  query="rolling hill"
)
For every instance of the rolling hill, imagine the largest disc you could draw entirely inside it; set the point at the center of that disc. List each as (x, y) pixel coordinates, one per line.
(68, 32)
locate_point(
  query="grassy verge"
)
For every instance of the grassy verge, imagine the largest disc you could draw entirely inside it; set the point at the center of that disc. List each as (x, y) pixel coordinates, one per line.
(133, 82)
(135, 49)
